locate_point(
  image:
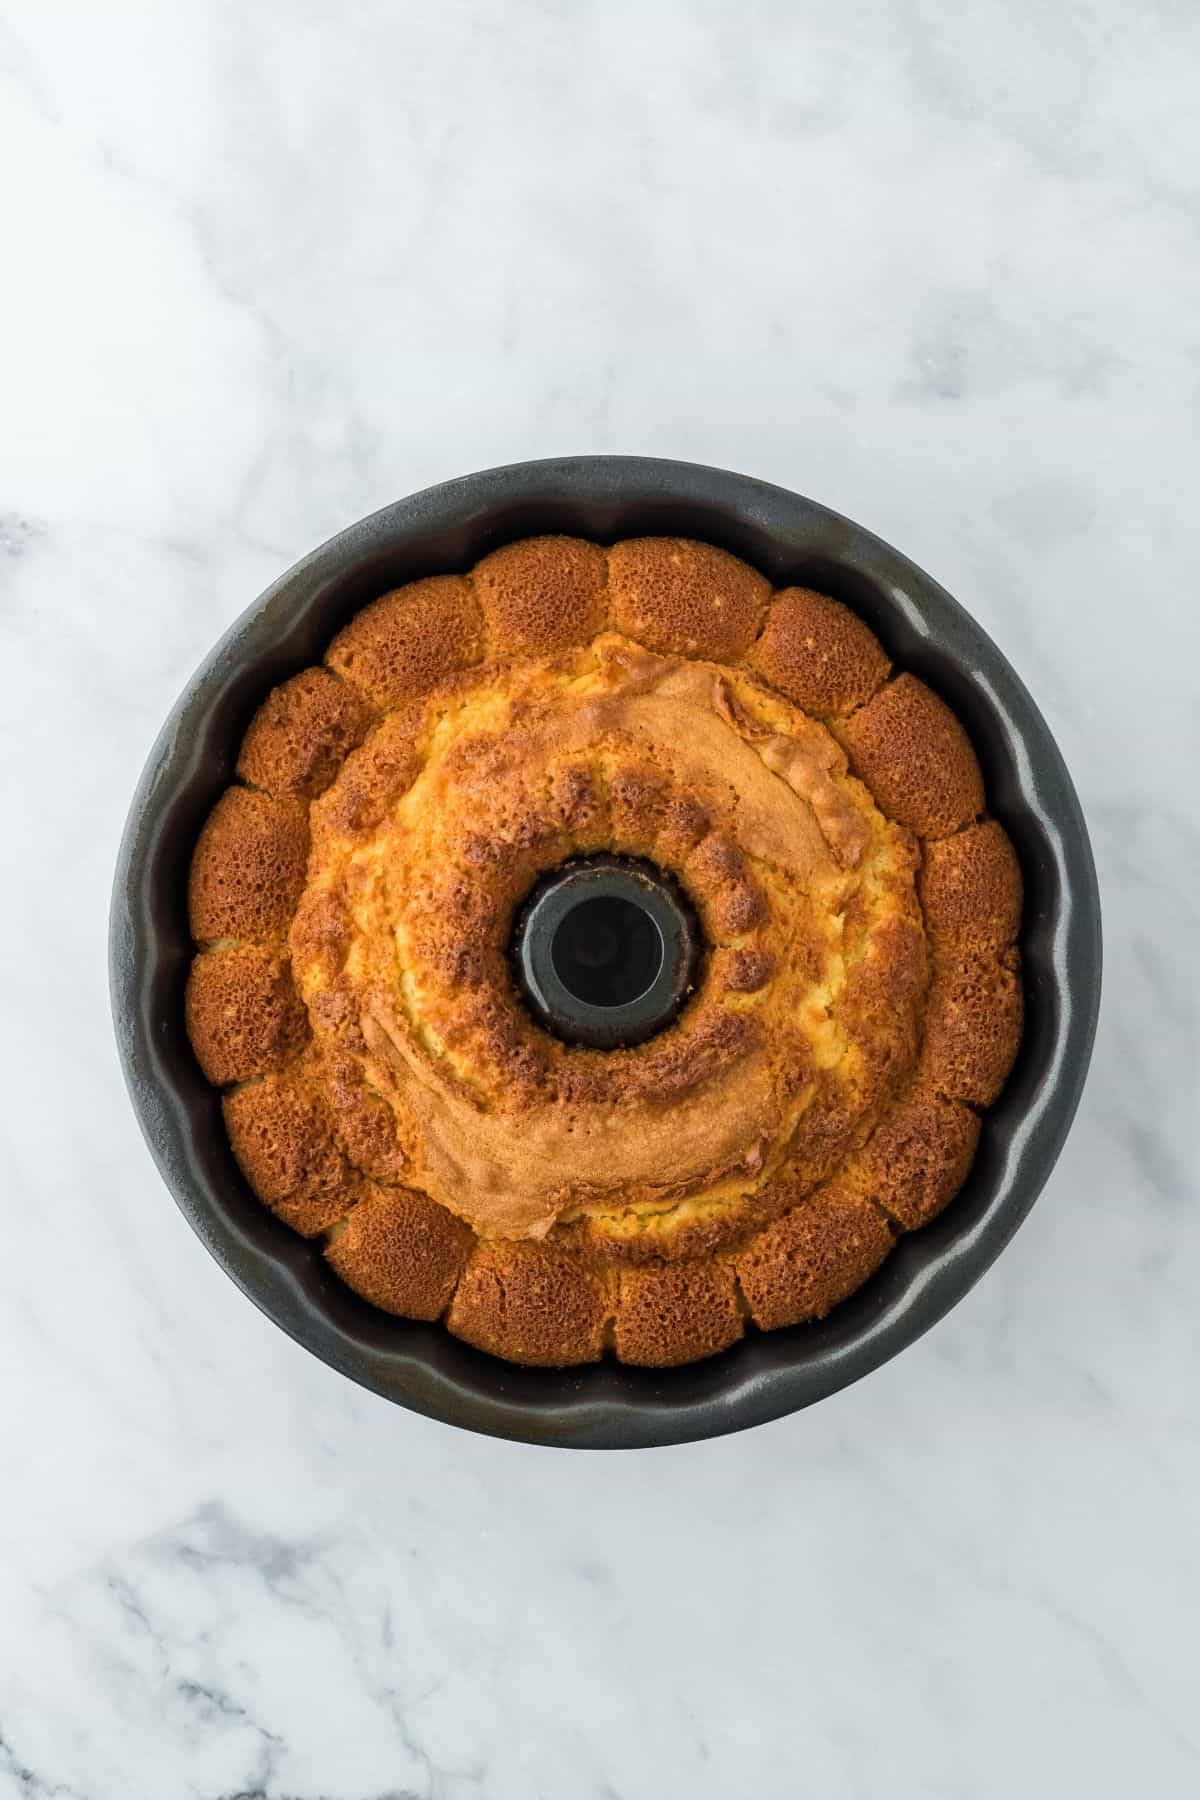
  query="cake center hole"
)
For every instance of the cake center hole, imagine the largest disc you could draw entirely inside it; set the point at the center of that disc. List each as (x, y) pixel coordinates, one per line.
(607, 951)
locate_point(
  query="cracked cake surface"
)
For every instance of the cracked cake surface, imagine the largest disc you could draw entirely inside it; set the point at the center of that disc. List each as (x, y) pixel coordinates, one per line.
(388, 1094)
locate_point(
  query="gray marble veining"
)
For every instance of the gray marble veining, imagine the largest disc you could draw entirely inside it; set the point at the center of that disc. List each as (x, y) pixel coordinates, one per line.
(937, 264)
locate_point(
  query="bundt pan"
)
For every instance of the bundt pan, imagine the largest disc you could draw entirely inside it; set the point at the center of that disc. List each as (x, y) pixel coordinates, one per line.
(791, 540)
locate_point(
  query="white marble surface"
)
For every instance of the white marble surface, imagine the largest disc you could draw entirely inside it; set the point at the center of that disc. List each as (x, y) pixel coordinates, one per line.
(935, 262)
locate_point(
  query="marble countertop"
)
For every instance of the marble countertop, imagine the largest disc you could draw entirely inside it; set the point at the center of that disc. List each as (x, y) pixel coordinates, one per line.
(935, 263)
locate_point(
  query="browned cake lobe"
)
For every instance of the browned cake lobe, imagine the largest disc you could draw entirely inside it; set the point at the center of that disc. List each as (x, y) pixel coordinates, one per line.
(301, 734)
(800, 1266)
(248, 868)
(401, 1251)
(244, 1016)
(973, 1023)
(283, 1136)
(970, 889)
(915, 757)
(819, 653)
(542, 595)
(408, 641)
(685, 599)
(671, 1313)
(531, 1303)
(918, 1157)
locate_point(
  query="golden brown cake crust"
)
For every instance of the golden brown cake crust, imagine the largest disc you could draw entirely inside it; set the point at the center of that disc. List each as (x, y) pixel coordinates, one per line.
(542, 595)
(671, 1313)
(353, 898)
(374, 777)
(685, 599)
(973, 1023)
(283, 1135)
(406, 642)
(918, 1157)
(970, 890)
(532, 1304)
(916, 758)
(819, 653)
(506, 1125)
(248, 868)
(301, 734)
(365, 1124)
(821, 1250)
(400, 1251)
(244, 1016)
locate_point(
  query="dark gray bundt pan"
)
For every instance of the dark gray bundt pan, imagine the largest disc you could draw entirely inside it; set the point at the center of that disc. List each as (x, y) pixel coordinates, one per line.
(792, 540)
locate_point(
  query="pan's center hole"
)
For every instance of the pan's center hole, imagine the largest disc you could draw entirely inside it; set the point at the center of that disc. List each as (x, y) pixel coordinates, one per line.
(607, 951)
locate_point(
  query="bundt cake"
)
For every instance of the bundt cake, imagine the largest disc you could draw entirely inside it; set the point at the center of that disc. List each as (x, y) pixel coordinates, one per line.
(391, 1091)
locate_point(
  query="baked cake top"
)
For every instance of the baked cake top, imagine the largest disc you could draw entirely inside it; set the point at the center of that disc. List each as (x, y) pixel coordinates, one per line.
(353, 898)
